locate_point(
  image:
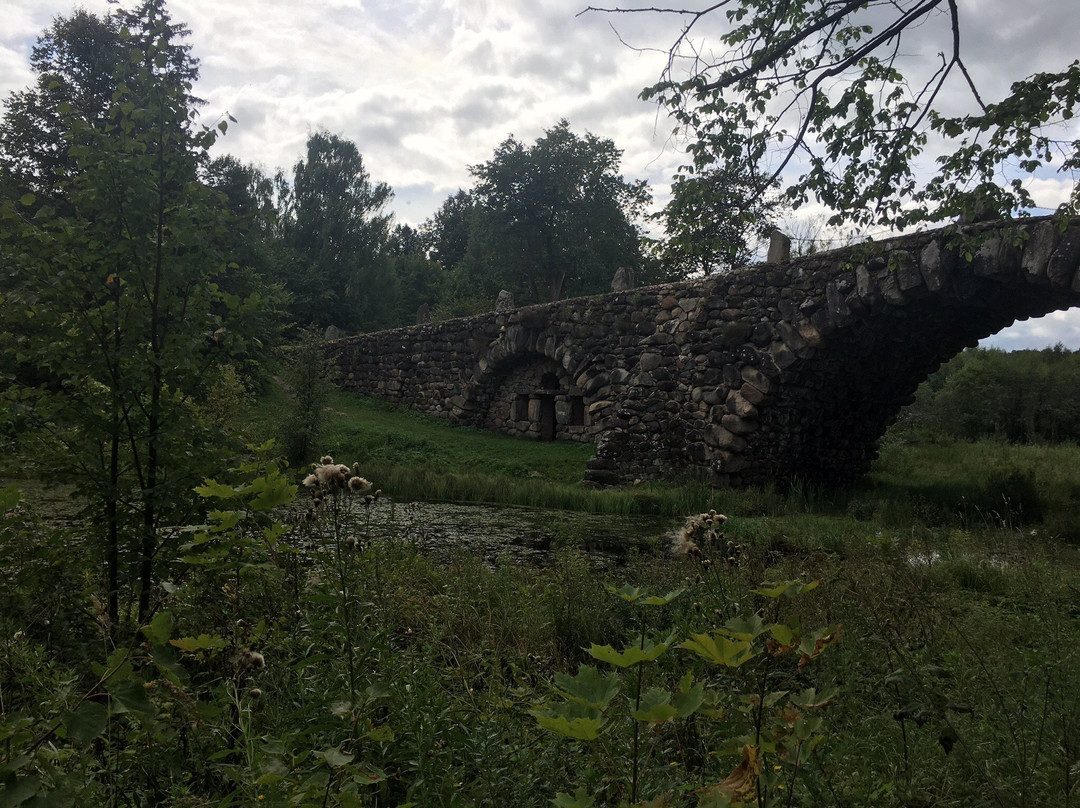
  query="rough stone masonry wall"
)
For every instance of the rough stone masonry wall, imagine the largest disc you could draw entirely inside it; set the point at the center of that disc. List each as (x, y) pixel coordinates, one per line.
(769, 373)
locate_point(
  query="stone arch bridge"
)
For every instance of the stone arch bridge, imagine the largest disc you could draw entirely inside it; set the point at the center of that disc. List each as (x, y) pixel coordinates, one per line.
(771, 373)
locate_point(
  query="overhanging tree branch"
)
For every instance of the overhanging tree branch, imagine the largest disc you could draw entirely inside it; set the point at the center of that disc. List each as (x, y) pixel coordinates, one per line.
(825, 80)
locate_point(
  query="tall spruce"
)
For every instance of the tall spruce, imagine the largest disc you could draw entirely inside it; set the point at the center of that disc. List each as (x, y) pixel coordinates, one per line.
(335, 224)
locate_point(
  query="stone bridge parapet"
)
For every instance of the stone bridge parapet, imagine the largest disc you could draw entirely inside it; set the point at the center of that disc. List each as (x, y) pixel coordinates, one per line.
(766, 374)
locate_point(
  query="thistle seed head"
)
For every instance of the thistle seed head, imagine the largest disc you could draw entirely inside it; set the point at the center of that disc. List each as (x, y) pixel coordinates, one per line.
(358, 485)
(251, 660)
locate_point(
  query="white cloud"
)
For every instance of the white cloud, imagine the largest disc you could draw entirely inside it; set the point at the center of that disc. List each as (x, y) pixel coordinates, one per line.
(1058, 326)
(428, 87)
(1049, 193)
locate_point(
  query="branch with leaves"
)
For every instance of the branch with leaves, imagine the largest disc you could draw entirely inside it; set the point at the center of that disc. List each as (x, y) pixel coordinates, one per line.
(825, 87)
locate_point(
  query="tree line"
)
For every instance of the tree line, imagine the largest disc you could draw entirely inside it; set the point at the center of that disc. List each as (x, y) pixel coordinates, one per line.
(1030, 396)
(545, 220)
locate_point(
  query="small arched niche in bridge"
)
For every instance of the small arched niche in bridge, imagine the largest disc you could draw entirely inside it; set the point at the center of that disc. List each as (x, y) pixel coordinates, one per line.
(531, 396)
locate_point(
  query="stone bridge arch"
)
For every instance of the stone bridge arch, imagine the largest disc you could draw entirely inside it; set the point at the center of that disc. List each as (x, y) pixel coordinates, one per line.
(528, 384)
(852, 354)
(766, 374)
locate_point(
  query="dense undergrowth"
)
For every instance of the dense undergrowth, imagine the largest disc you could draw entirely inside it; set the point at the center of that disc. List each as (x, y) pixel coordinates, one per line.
(292, 659)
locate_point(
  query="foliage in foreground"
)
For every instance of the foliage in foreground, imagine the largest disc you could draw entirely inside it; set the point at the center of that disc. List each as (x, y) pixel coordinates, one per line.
(292, 660)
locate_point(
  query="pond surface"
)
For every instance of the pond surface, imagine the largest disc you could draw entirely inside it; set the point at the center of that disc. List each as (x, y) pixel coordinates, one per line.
(445, 530)
(523, 535)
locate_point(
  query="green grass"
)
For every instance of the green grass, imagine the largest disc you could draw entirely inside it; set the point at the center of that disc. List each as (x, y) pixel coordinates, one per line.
(378, 434)
(913, 487)
(985, 482)
(414, 456)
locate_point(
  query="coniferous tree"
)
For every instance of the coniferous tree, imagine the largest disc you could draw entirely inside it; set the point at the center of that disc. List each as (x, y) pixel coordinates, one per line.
(335, 224)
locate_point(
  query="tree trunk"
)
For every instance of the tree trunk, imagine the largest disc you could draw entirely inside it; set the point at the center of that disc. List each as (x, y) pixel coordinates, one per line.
(149, 538)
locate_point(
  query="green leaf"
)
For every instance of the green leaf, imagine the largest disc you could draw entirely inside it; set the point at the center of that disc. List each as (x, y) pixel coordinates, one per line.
(813, 645)
(160, 628)
(224, 520)
(655, 707)
(87, 722)
(789, 589)
(382, 733)
(632, 654)
(129, 695)
(26, 200)
(714, 798)
(203, 642)
(720, 649)
(376, 690)
(782, 634)
(18, 791)
(580, 729)
(663, 600)
(774, 698)
(9, 498)
(165, 659)
(366, 774)
(581, 799)
(272, 493)
(690, 696)
(810, 699)
(335, 757)
(631, 594)
(588, 687)
(807, 726)
(745, 628)
(212, 488)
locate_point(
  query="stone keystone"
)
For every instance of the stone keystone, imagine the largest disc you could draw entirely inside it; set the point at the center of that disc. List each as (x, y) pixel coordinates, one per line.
(1038, 249)
(779, 248)
(623, 280)
(930, 265)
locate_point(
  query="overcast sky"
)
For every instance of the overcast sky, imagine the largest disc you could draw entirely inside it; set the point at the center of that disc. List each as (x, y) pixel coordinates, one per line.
(426, 88)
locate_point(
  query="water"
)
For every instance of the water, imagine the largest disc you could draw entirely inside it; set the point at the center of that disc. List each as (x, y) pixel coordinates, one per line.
(444, 530)
(523, 535)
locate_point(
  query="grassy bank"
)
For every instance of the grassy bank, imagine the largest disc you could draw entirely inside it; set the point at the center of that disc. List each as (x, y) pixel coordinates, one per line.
(945, 484)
